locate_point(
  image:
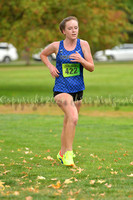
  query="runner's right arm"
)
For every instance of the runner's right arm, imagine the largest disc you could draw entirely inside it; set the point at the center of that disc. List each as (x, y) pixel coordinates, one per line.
(52, 48)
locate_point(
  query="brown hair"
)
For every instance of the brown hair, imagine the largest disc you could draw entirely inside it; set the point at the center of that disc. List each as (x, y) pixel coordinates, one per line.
(63, 22)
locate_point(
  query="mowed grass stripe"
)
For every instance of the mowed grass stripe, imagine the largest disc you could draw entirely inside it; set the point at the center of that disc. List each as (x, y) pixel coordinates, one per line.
(108, 79)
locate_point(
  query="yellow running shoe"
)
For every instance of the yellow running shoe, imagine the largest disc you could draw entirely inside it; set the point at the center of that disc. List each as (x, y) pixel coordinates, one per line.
(68, 158)
(59, 157)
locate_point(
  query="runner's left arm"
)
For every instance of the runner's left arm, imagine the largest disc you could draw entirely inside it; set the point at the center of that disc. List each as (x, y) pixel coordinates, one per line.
(87, 61)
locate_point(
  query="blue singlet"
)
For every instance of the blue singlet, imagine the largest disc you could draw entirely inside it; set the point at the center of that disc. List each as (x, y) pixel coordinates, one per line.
(70, 78)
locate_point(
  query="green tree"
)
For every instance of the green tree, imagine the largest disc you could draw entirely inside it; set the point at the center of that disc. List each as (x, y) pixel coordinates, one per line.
(128, 9)
(33, 24)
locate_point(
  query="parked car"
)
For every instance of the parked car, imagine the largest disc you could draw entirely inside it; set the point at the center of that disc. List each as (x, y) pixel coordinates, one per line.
(123, 52)
(7, 52)
(36, 56)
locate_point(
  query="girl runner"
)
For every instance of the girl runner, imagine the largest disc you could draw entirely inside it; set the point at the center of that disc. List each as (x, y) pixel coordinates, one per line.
(72, 56)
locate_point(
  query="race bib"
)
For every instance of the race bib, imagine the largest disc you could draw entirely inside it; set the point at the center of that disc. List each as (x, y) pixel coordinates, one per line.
(71, 69)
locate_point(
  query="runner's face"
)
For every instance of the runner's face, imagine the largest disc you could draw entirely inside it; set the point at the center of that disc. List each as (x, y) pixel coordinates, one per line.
(71, 29)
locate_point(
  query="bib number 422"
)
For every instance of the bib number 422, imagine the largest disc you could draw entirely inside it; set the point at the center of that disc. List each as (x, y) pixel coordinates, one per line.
(71, 69)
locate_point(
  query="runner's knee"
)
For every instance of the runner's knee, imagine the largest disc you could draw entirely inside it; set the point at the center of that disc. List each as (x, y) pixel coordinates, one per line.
(74, 119)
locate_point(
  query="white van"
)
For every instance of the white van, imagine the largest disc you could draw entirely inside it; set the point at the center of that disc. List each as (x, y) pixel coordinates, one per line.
(7, 52)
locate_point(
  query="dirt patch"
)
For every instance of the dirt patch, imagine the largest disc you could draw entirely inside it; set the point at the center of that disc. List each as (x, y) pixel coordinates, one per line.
(53, 109)
(42, 109)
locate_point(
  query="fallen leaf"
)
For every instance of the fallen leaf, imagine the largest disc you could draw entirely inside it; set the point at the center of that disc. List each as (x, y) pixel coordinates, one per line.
(25, 174)
(114, 172)
(100, 167)
(41, 178)
(24, 161)
(30, 168)
(7, 186)
(125, 154)
(67, 181)
(58, 185)
(21, 183)
(38, 165)
(64, 186)
(101, 181)
(79, 170)
(77, 192)
(31, 189)
(131, 163)
(76, 180)
(92, 182)
(48, 158)
(16, 193)
(131, 175)
(73, 170)
(29, 198)
(28, 152)
(55, 163)
(5, 172)
(2, 187)
(53, 179)
(102, 194)
(60, 191)
(18, 149)
(2, 165)
(92, 155)
(108, 185)
(70, 193)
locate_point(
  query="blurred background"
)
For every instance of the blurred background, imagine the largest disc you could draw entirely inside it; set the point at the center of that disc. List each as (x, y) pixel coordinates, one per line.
(26, 27)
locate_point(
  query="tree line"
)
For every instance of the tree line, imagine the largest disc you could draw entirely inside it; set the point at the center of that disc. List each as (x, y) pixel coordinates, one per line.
(33, 24)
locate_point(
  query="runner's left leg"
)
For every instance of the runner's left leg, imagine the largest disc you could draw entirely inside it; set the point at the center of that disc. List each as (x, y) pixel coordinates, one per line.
(63, 145)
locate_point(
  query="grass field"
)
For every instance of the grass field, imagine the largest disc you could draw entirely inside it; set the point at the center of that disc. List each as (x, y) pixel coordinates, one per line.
(107, 81)
(29, 168)
(30, 136)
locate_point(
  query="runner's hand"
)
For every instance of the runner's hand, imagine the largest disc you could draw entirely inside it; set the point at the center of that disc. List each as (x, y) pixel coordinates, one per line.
(54, 71)
(76, 57)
